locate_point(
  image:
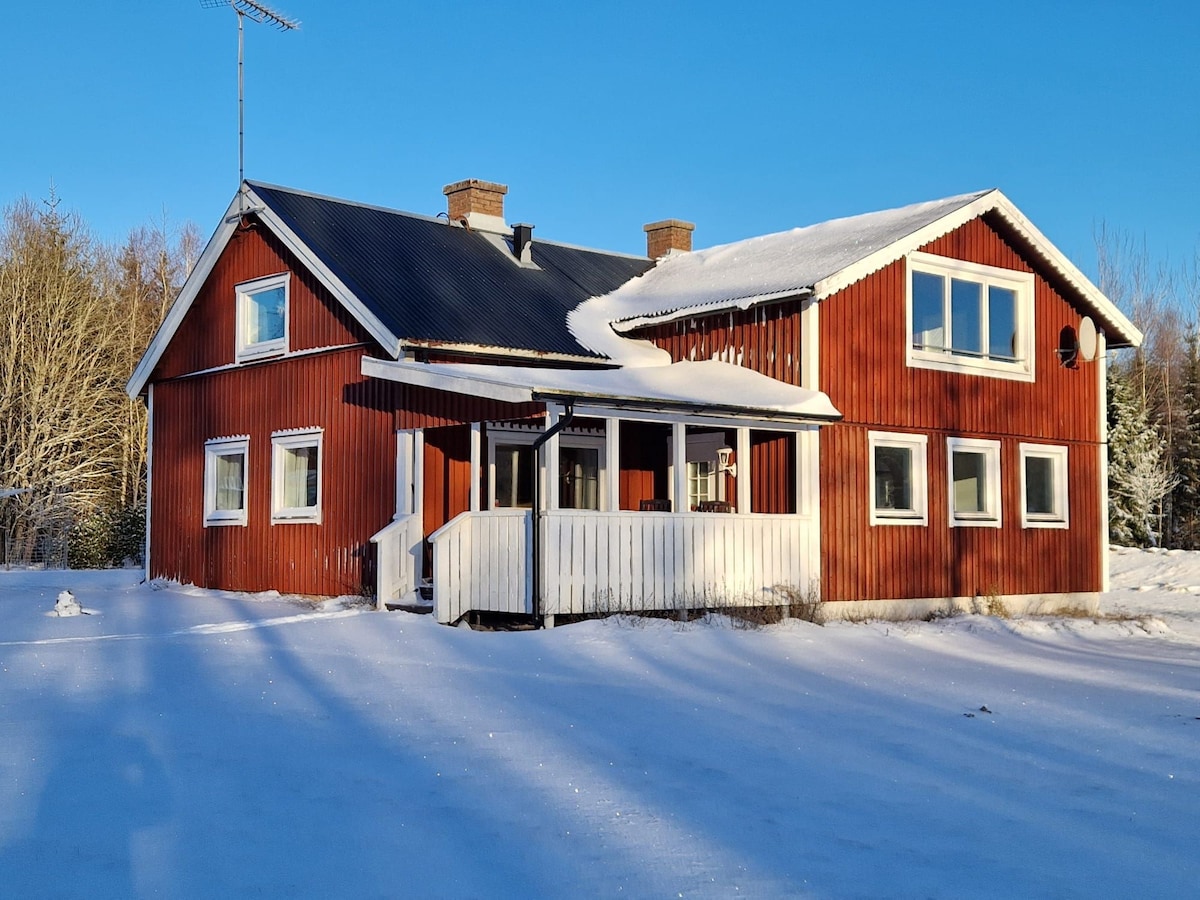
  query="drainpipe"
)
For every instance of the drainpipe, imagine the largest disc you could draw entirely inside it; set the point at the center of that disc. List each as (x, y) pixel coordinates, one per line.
(535, 538)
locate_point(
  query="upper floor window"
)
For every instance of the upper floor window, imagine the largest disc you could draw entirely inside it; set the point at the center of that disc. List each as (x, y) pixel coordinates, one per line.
(262, 317)
(967, 317)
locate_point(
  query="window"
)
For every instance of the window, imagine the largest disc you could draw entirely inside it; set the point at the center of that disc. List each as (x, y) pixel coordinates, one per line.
(898, 481)
(225, 477)
(702, 453)
(262, 316)
(967, 317)
(1044, 486)
(974, 488)
(296, 476)
(701, 482)
(580, 468)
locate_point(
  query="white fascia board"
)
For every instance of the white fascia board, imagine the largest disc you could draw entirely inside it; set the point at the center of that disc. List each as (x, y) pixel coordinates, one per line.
(341, 293)
(705, 309)
(765, 421)
(187, 295)
(423, 375)
(993, 200)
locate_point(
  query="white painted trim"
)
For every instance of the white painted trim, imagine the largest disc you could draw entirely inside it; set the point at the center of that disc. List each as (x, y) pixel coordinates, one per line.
(289, 440)
(992, 201)
(810, 345)
(918, 445)
(243, 351)
(418, 480)
(666, 417)
(623, 326)
(476, 465)
(405, 474)
(991, 517)
(550, 449)
(1020, 283)
(612, 473)
(1057, 454)
(149, 475)
(1102, 420)
(422, 375)
(677, 482)
(742, 480)
(213, 448)
(517, 436)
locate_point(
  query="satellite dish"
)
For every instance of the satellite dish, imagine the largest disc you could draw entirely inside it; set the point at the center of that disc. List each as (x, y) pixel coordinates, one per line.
(1087, 339)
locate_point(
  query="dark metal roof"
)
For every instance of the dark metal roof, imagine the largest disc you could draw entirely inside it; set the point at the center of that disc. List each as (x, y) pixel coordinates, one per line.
(427, 280)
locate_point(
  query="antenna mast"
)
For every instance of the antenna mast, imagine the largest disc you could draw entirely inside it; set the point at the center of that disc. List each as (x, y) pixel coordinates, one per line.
(264, 15)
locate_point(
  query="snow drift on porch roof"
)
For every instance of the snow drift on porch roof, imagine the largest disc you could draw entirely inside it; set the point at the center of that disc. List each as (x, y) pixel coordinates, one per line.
(708, 386)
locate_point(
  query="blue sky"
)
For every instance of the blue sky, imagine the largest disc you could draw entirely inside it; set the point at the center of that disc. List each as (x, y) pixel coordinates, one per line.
(744, 118)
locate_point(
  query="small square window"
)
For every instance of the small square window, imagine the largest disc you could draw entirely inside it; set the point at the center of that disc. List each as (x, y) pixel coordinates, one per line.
(226, 468)
(262, 317)
(974, 485)
(1044, 502)
(296, 476)
(898, 478)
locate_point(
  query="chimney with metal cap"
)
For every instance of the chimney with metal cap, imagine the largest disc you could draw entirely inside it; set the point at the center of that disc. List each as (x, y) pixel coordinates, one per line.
(480, 204)
(668, 236)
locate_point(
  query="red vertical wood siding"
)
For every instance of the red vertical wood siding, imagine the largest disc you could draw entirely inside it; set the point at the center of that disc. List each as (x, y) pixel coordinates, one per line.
(863, 336)
(764, 338)
(643, 463)
(863, 339)
(772, 473)
(447, 475)
(207, 337)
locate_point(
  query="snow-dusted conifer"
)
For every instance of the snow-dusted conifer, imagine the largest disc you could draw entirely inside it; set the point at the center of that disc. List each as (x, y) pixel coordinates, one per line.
(1185, 498)
(1139, 477)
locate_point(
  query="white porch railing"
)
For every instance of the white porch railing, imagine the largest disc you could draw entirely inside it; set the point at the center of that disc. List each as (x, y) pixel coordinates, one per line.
(481, 561)
(602, 562)
(628, 561)
(398, 555)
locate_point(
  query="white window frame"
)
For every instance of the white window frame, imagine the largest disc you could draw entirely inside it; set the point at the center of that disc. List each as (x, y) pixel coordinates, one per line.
(246, 351)
(517, 436)
(281, 441)
(1021, 283)
(990, 517)
(225, 447)
(1061, 516)
(918, 445)
(699, 447)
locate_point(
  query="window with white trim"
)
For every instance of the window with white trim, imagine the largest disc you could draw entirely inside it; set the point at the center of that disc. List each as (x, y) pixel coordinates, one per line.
(226, 471)
(974, 484)
(262, 317)
(581, 468)
(898, 482)
(1044, 501)
(296, 475)
(967, 317)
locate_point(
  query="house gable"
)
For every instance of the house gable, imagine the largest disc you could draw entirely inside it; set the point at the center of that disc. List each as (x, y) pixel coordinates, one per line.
(206, 336)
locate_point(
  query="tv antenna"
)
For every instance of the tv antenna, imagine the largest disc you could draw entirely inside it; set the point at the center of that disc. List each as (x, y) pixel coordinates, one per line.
(264, 15)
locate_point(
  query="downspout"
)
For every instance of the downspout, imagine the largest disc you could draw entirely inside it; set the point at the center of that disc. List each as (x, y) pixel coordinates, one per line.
(535, 576)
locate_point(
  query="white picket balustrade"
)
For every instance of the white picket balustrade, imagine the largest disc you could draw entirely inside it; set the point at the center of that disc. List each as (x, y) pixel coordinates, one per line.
(481, 562)
(397, 558)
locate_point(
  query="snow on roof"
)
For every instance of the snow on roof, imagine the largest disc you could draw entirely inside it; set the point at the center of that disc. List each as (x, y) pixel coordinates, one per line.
(706, 386)
(760, 268)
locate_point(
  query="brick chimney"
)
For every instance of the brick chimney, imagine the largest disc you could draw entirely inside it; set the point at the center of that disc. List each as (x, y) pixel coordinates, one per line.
(667, 236)
(480, 203)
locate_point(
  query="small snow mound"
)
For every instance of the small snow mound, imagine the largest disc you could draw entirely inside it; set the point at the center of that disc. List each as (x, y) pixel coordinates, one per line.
(67, 605)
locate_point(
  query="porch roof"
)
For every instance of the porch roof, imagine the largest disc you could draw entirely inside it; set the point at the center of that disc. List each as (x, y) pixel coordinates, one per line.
(707, 387)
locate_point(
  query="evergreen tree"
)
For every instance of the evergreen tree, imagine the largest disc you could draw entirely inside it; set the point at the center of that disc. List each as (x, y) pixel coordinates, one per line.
(1185, 498)
(1138, 474)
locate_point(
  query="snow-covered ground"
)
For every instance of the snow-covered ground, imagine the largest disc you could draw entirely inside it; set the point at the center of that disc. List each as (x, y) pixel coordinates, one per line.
(186, 743)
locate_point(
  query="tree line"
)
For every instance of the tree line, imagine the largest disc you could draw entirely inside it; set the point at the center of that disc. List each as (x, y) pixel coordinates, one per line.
(75, 316)
(1153, 398)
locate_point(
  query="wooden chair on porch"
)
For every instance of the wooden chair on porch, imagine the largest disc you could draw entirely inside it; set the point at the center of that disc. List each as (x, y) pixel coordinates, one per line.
(654, 506)
(714, 506)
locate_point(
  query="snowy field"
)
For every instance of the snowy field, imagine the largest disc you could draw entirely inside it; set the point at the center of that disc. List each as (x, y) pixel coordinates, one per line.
(186, 743)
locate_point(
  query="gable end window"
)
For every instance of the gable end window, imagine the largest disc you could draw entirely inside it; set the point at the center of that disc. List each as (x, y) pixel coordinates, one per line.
(1044, 502)
(262, 317)
(296, 476)
(974, 486)
(898, 483)
(966, 317)
(226, 474)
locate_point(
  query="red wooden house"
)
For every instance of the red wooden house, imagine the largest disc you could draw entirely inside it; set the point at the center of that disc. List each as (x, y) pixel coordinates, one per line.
(902, 410)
